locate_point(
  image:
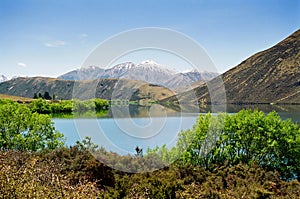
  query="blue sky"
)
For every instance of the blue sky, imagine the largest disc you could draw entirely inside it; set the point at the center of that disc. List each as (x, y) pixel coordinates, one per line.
(51, 37)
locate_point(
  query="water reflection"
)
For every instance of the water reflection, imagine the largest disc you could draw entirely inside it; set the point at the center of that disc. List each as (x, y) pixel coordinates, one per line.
(136, 111)
(284, 110)
(157, 110)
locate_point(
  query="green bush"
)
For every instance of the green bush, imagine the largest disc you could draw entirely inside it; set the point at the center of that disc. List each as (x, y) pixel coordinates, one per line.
(40, 106)
(20, 129)
(245, 137)
(67, 106)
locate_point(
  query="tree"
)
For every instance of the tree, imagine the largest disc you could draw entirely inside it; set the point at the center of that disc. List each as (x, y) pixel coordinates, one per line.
(40, 106)
(246, 137)
(35, 96)
(47, 95)
(139, 151)
(20, 129)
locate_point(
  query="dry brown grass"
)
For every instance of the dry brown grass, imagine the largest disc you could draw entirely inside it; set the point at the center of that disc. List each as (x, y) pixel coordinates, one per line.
(16, 98)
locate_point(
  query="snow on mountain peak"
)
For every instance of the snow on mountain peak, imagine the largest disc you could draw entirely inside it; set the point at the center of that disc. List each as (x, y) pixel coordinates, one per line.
(88, 68)
(123, 66)
(3, 78)
(150, 62)
(193, 70)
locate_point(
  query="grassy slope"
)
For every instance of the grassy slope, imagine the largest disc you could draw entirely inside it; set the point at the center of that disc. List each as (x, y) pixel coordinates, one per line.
(15, 98)
(102, 88)
(269, 76)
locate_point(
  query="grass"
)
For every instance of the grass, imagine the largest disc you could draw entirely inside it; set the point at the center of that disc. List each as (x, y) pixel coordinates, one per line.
(16, 98)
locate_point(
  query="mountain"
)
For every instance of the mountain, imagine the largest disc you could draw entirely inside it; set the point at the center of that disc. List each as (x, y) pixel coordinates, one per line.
(3, 78)
(183, 81)
(85, 73)
(68, 89)
(148, 71)
(269, 76)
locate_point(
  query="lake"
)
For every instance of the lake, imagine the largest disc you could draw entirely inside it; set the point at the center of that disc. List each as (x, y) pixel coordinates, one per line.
(124, 128)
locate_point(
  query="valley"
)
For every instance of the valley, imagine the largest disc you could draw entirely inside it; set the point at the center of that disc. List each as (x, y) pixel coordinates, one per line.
(271, 76)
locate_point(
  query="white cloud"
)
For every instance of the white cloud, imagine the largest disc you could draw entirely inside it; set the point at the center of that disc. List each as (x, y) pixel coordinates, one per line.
(56, 43)
(21, 64)
(83, 36)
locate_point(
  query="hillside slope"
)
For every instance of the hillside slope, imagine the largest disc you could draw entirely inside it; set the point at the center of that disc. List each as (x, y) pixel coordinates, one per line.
(67, 89)
(270, 76)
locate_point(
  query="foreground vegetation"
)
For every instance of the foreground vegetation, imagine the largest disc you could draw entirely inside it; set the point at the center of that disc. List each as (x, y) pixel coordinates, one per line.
(75, 173)
(245, 137)
(245, 155)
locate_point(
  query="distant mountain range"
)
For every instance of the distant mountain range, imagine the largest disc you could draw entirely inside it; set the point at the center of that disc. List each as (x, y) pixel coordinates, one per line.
(148, 71)
(270, 76)
(3, 78)
(85, 73)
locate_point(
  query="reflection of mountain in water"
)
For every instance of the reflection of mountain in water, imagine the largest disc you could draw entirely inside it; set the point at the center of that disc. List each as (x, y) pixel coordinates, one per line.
(130, 110)
(156, 110)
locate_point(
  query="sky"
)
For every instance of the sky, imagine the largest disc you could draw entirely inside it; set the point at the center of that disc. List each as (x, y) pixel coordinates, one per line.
(49, 38)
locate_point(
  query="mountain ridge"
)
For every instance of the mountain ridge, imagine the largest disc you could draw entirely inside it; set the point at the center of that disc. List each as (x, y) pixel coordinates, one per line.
(87, 89)
(3, 78)
(269, 76)
(148, 71)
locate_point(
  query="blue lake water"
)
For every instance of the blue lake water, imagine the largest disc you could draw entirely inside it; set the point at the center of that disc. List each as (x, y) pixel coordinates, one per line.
(139, 128)
(122, 135)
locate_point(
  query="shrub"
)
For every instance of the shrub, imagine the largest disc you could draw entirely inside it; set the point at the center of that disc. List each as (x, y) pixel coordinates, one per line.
(20, 129)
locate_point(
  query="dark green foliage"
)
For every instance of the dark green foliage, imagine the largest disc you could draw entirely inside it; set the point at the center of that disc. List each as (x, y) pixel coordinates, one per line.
(47, 96)
(139, 151)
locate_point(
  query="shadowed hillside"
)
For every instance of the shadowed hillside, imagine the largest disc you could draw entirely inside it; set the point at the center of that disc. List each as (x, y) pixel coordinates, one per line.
(270, 76)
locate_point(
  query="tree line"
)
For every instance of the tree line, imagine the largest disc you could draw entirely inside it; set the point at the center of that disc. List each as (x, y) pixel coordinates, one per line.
(45, 96)
(44, 106)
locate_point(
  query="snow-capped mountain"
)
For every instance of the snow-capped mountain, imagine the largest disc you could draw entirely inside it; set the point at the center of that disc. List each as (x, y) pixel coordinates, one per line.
(187, 79)
(118, 71)
(3, 78)
(84, 73)
(148, 71)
